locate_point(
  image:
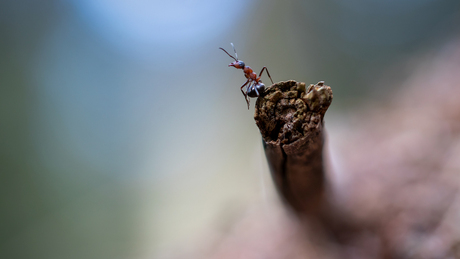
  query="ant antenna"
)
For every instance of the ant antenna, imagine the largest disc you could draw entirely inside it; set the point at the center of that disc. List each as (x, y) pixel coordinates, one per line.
(228, 54)
(236, 55)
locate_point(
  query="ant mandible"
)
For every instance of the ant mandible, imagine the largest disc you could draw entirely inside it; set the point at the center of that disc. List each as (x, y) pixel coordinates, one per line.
(255, 87)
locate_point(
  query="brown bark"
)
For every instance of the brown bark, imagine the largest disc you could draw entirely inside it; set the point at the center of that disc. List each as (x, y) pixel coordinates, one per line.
(290, 119)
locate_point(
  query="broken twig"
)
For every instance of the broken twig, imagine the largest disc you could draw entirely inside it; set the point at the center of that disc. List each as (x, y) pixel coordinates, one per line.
(290, 118)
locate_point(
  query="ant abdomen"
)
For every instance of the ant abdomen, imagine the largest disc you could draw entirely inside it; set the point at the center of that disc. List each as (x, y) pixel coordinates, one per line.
(256, 90)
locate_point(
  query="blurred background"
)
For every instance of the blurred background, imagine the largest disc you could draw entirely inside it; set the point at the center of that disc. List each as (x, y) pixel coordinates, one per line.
(123, 132)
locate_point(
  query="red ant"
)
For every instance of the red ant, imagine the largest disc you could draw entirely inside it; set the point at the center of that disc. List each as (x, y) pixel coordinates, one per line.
(255, 87)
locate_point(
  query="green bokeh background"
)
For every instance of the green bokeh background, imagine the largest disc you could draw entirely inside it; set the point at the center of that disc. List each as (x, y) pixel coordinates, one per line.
(123, 132)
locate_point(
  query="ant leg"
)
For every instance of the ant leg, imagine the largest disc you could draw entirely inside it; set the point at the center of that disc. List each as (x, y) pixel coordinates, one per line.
(245, 95)
(248, 100)
(241, 88)
(261, 71)
(257, 92)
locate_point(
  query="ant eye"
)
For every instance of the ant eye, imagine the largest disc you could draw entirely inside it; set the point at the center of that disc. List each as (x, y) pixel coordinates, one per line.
(241, 64)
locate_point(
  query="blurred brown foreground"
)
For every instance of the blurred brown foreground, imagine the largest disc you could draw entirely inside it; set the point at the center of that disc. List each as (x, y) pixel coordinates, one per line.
(397, 179)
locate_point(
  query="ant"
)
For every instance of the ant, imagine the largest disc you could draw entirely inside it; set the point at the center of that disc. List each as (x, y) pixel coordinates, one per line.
(255, 87)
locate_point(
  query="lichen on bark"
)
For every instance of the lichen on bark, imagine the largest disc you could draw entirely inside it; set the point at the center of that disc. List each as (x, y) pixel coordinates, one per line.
(288, 110)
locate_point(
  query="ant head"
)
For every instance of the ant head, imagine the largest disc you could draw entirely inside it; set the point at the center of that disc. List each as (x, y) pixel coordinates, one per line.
(238, 63)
